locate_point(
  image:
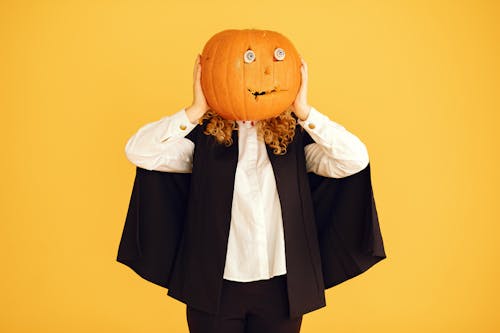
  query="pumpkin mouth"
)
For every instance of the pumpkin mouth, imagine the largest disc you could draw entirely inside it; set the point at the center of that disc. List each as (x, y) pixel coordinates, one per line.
(257, 93)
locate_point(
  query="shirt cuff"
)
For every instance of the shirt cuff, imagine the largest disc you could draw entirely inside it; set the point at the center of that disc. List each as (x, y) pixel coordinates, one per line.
(316, 120)
(177, 125)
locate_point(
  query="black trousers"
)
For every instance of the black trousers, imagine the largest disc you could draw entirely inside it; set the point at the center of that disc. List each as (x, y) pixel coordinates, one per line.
(248, 307)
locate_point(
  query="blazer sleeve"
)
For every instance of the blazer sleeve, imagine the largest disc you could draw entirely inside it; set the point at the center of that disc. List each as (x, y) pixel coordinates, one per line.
(335, 151)
(163, 145)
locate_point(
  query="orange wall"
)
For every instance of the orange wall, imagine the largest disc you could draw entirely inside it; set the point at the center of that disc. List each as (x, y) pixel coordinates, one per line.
(417, 81)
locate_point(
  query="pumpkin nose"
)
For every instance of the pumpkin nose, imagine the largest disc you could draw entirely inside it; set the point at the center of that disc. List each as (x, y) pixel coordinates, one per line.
(267, 70)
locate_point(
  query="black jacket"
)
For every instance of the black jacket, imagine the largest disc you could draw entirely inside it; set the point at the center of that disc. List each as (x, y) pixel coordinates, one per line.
(177, 225)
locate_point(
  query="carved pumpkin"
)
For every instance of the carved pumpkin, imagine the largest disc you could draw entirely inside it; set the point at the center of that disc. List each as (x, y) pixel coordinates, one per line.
(249, 74)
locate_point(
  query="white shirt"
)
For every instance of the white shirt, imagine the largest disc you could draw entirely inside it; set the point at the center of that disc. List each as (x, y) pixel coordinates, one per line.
(256, 246)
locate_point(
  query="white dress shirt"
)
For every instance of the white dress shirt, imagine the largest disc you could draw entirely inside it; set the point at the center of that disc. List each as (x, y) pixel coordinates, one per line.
(256, 246)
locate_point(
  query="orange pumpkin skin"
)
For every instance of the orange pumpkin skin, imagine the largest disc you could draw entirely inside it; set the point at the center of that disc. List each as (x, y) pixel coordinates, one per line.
(241, 90)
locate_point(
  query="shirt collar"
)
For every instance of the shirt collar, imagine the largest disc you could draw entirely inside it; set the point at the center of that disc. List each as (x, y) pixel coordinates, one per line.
(247, 123)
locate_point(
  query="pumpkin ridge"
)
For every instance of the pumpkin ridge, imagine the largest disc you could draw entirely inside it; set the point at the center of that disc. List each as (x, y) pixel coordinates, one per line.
(253, 44)
(212, 77)
(245, 100)
(230, 47)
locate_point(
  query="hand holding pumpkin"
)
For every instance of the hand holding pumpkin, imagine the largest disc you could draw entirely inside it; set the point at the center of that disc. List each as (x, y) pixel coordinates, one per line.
(199, 105)
(300, 106)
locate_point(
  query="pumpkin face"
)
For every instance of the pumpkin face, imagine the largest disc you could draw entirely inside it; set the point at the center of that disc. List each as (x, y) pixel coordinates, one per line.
(249, 74)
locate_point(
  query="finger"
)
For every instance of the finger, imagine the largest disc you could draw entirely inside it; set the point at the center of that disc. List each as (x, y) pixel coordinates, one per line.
(303, 79)
(195, 69)
(304, 64)
(198, 75)
(304, 72)
(196, 66)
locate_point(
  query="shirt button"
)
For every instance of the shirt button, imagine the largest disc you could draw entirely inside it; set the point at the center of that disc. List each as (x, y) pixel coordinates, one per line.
(312, 126)
(182, 127)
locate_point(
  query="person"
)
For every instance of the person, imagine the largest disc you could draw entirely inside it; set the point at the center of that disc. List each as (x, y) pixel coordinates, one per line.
(254, 290)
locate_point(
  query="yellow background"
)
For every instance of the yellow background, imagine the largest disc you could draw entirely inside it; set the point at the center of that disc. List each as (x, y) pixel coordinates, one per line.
(416, 81)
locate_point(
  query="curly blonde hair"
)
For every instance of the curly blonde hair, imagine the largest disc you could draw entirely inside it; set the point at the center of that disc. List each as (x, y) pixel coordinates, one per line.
(276, 132)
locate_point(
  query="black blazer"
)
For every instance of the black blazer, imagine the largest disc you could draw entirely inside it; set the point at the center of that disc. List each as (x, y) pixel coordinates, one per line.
(177, 225)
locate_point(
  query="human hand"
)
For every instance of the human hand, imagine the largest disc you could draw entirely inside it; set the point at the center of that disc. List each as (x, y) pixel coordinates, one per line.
(199, 106)
(300, 106)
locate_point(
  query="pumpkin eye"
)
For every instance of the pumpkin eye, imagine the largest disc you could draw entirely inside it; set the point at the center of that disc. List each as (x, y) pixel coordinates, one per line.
(249, 56)
(279, 53)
